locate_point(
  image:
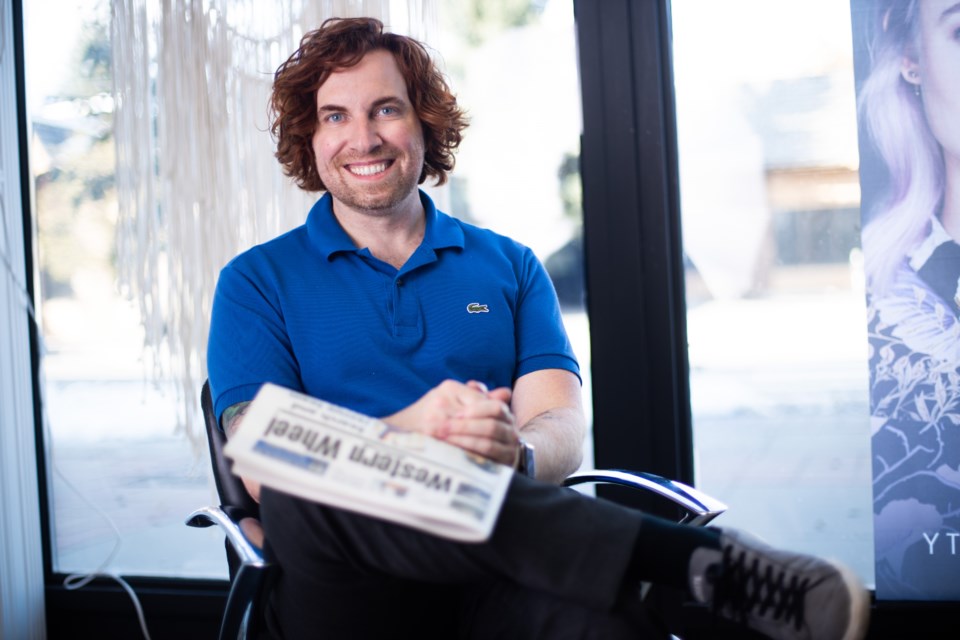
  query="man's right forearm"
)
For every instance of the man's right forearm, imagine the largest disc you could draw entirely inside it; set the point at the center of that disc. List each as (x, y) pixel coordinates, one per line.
(232, 416)
(230, 421)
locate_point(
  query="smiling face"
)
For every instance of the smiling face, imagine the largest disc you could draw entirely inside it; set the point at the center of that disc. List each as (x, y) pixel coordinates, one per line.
(369, 143)
(938, 67)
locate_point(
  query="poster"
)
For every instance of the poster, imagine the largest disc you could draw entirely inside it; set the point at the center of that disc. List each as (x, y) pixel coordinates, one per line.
(907, 69)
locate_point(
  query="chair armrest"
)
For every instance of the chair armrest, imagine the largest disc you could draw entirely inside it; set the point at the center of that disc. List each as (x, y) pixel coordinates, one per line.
(249, 553)
(700, 507)
(241, 617)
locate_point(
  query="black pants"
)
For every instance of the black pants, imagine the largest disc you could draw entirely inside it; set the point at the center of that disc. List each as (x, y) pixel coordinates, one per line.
(553, 568)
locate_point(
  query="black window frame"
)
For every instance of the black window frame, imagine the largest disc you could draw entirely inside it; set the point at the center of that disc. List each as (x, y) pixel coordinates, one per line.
(633, 250)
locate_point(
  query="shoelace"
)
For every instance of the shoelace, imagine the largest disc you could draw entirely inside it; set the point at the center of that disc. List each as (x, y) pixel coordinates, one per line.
(740, 586)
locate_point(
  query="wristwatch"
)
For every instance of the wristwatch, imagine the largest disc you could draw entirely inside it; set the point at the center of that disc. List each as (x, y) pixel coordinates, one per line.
(526, 463)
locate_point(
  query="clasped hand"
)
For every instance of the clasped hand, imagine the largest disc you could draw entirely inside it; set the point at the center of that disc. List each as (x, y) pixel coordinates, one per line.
(467, 415)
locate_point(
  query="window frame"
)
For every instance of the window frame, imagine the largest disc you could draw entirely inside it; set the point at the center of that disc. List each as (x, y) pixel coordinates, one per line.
(635, 300)
(634, 270)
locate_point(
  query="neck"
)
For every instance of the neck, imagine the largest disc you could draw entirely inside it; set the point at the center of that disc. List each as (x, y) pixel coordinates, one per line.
(391, 235)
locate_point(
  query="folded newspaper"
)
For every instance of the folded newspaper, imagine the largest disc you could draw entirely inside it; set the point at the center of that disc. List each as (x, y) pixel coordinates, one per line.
(323, 452)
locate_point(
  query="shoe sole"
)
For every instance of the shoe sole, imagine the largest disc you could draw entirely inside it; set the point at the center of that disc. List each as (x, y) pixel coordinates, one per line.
(859, 603)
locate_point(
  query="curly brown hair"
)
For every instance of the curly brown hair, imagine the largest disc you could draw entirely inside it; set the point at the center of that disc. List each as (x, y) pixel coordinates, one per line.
(340, 43)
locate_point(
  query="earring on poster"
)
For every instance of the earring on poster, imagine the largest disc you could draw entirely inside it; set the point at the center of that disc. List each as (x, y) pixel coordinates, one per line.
(915, 77)
(910, 74)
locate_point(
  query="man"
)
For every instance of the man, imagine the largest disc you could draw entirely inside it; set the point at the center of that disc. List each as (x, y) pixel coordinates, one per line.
(383, 304)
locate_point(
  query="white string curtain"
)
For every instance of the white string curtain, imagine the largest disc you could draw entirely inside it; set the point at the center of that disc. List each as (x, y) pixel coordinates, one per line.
(197, 179)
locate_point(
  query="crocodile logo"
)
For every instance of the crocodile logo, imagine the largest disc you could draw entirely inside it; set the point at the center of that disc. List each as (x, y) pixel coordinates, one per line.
(476, 307)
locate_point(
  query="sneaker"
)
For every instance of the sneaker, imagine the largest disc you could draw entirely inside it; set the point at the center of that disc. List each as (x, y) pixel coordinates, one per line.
(784, 595)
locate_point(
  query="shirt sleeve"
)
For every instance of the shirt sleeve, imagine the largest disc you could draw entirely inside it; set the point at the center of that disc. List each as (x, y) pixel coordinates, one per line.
(542, 341)
(248, 343)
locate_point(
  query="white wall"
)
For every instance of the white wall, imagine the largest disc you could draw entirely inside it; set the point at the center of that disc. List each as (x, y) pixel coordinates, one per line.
(21, 562)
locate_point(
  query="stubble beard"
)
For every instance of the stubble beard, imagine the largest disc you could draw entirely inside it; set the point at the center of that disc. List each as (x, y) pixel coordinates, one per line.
(382, 197)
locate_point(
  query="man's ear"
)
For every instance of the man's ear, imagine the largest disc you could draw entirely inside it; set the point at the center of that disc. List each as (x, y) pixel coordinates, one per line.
(910, 70)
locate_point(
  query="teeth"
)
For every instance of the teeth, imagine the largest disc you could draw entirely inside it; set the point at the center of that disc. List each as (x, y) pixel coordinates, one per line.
(368, 169)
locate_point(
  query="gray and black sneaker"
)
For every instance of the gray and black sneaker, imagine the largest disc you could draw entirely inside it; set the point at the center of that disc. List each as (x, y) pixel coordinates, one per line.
(781, 594)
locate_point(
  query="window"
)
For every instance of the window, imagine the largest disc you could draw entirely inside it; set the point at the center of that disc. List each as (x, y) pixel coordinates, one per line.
(122, 474)
(770, 202)
(121, 477)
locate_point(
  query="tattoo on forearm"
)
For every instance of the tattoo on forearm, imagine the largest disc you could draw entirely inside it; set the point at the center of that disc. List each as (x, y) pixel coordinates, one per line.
(232, 416)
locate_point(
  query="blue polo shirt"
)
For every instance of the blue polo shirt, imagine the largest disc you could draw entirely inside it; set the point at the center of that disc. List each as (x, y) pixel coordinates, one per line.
(310, 311)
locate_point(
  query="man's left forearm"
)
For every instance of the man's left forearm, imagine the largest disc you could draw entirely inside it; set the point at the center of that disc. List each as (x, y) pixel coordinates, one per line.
(557, 438)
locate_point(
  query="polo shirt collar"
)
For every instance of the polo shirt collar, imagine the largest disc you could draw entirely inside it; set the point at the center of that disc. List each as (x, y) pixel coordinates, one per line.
(326, 234)
(442, 231)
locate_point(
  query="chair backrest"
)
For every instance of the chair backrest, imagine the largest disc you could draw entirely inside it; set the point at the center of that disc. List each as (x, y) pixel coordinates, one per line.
(249, 573)
(233, 495)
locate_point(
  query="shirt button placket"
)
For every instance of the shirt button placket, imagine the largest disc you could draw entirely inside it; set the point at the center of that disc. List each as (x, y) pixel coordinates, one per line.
(397, 286)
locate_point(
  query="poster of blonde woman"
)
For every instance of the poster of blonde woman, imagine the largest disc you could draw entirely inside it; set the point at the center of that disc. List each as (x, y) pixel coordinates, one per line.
(907, 55)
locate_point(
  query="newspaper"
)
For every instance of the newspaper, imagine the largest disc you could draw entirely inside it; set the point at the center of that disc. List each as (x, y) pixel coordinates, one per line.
(323, 452)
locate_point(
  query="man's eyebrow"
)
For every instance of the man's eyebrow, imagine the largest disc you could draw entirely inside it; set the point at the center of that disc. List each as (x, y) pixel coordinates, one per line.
(376, 103)
(330, 107)
(387, 100)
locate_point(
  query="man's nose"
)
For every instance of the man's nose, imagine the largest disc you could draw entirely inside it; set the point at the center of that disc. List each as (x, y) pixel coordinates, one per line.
(365, 136)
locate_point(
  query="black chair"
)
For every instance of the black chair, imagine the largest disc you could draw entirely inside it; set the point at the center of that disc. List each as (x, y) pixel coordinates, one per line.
(238, 517)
